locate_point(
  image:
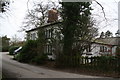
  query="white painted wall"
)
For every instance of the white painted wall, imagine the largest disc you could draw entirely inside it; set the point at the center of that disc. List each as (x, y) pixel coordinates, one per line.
(33, 37)
(114, 50)
(96, 49)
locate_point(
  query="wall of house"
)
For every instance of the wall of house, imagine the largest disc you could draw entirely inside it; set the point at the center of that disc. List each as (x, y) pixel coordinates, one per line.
(102, 49)
(50, 32)
(114, 50)
(95, 48)
(32, 35)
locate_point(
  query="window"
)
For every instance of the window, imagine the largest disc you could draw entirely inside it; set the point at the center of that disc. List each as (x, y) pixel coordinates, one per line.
(48, 33)
(103, 49)
(88, 49)
(48, 49)
(33, 36)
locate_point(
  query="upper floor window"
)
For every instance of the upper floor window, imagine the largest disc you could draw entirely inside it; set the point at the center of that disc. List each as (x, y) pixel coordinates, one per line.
(33, 36)
(48, 33)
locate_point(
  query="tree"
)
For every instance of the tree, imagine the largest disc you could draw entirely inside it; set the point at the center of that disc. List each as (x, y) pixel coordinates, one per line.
(4, 8)
(118, 58)
(38, 15)
(77, 25)
(108, 34)
(102, 35)
(4, 5)
(41, 41)
(117, 33)
(15, 40)
(118, 51)
(5, 43)
(78, 32)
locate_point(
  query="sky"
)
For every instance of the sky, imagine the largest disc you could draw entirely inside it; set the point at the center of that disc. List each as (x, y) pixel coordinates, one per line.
(11, 21)
(111, 15)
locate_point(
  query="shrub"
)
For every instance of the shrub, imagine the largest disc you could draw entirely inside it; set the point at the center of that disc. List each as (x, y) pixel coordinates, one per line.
(5, 49)
(25, 57)
(17, 57)
(31, 53)
(118, 51)
(12, 49)
(41, 59)
(30, 45)
(28, 52)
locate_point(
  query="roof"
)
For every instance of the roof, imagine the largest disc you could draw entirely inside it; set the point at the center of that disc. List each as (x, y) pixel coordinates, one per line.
(45, 25)
(115, 41)
(109, 41)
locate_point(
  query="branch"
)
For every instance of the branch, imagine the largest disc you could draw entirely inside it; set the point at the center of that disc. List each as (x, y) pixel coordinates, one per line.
(102, 9)
(28, 8)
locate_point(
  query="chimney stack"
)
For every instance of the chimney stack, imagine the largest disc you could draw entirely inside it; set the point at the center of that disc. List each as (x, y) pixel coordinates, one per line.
(52, 15)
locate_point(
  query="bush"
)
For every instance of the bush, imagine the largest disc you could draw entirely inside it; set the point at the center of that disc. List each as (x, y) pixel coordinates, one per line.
(30, 46)
(5, 49)
(31, 53)
(17, 57)
(118, 51)
(28, 52)
(25, 57)
(12, 49)
(41, 59)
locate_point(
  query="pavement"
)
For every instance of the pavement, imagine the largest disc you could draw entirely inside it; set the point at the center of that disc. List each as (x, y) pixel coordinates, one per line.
(14, 69)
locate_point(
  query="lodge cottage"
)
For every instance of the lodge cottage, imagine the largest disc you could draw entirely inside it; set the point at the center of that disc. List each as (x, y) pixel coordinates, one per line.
(102, 48)
(108, 45)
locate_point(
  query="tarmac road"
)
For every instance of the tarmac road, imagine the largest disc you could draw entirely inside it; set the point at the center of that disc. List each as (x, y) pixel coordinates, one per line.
(14, 69)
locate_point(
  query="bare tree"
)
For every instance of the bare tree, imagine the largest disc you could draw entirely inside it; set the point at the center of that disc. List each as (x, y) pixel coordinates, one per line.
(4, 5)
(14, 40)
(38, 15)
(4, 8)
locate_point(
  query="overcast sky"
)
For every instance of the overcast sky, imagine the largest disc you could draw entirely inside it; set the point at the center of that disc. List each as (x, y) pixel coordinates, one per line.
(10, 24)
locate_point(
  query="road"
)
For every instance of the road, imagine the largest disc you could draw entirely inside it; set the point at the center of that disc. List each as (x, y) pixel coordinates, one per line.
(14, 69)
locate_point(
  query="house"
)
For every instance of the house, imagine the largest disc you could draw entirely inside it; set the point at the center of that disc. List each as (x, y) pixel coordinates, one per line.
(50, 30)
(48, 27)
(104, 46)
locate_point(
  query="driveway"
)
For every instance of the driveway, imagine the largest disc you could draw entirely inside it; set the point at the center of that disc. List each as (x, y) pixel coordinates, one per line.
(14, 69)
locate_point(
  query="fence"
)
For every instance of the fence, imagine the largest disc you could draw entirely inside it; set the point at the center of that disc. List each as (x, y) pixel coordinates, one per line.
(92, 63)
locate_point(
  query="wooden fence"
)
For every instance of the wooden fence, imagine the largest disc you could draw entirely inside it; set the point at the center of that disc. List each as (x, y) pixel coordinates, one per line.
(92, 63)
